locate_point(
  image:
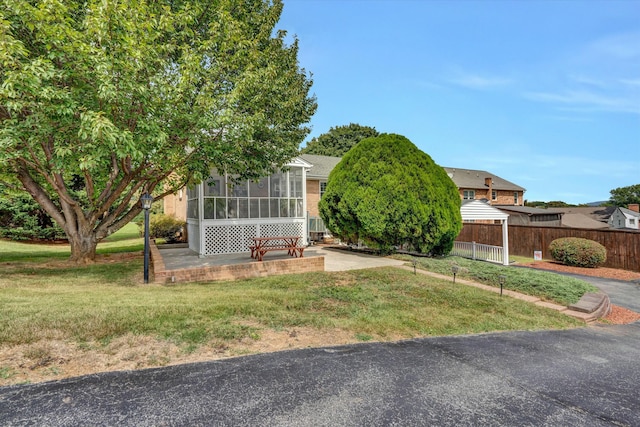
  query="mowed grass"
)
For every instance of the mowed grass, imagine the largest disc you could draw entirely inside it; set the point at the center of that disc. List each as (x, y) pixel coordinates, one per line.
(54, 300)
(127, 239)
(546, 285)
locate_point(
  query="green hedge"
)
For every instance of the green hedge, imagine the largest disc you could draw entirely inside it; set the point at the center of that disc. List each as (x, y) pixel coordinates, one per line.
(578, 252)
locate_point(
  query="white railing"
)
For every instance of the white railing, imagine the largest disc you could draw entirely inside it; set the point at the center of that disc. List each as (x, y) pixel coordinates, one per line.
(479, 251)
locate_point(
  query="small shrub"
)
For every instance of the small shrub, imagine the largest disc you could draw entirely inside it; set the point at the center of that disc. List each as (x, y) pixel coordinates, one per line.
(578, 252)
(166, 227)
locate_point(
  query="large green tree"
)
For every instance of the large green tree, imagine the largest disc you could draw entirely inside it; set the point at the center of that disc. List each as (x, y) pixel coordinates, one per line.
(624, 196)
(386, 192)
(339, 140)
(102, 101)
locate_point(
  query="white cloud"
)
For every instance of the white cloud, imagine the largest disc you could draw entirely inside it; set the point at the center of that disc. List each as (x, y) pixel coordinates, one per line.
(478, 82)
(583, 100)
(623, 46)
(588, 81)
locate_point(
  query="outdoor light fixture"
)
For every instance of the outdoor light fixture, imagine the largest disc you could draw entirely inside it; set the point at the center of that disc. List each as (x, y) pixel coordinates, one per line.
(454, 270)
(502, 278)
(146, 201)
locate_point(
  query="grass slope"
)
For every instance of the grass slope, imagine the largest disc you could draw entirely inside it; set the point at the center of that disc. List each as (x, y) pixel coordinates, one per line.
(550, 286)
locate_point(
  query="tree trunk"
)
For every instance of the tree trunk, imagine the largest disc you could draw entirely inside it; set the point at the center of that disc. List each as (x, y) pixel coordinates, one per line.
(83, 248)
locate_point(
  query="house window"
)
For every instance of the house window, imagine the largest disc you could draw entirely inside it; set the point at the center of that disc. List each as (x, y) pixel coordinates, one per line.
(494, 195)
(469, 194)
(323, 188)
(515, 198)
(632, 221)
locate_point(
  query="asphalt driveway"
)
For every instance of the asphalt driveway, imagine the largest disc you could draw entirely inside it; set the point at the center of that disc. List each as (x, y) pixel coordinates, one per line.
(622, 293)
(584, 377)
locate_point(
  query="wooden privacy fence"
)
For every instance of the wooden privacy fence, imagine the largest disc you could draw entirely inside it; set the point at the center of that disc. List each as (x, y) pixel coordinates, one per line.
(623, 247)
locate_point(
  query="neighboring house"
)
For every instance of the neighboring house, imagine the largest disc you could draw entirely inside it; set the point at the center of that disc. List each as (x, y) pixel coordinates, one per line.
(479, 185)
(625, 218)
(525, 215)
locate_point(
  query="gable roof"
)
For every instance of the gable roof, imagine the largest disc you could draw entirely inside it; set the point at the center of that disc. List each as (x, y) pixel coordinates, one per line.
(472, 210)
(472, 178)
(629, 213)
(321, 165)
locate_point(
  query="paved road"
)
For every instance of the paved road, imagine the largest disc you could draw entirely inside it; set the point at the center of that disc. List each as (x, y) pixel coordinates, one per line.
(582, 377)
(622, 293)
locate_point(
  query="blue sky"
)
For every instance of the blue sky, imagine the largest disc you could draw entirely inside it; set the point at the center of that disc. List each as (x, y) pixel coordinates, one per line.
(545, 94)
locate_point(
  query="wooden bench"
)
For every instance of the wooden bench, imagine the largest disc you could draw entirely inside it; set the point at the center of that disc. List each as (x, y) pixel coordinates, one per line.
(262, 245)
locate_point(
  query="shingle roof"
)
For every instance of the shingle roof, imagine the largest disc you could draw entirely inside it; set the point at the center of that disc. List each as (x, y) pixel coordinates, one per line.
(599, 213)
(527, 210)
(629, 213)
(471, 178)
(578, 220)
(463, 178)
(322, 165)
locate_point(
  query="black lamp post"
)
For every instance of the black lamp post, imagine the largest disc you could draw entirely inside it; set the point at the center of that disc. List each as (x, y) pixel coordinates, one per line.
(502, 278)
(454, 270)
(146, 201)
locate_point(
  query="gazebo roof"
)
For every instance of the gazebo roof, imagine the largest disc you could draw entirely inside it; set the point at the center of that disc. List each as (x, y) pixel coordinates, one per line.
(473, 210)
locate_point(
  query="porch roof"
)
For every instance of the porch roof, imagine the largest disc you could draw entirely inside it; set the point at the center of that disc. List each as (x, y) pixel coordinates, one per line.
(472, 210)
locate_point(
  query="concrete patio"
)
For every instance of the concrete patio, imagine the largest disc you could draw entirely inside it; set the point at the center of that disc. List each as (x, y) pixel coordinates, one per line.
(179, 264)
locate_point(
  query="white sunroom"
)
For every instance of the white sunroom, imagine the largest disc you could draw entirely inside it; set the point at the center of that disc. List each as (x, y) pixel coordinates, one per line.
(223, 217)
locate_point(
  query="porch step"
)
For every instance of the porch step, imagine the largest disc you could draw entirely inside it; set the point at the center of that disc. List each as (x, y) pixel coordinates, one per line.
(595, 304)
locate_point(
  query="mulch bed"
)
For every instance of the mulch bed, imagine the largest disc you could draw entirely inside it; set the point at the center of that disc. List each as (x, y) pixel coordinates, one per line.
(604, 272)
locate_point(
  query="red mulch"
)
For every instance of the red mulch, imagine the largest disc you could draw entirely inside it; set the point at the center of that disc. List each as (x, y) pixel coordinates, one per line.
(604, 272)
(618, 315)
(621, 316)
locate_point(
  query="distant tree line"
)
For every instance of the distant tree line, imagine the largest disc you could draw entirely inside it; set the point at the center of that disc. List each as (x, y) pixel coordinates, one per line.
(621, 196)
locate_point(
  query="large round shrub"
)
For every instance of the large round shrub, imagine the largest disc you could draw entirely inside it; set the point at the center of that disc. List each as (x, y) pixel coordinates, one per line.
(578, 252)
(386, 192)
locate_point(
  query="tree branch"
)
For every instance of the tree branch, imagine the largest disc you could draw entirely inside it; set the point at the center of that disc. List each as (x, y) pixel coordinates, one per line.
(40, 196)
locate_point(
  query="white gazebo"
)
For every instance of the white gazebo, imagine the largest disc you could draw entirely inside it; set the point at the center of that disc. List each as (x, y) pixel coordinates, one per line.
(223, 216)
(477, 210)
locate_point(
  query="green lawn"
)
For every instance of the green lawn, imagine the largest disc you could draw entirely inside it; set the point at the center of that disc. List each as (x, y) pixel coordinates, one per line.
(105, 301)
(46, 300)
(127, 239)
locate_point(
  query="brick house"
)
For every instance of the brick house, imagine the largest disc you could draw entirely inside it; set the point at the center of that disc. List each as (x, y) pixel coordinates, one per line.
(482, 185)
(317, 177)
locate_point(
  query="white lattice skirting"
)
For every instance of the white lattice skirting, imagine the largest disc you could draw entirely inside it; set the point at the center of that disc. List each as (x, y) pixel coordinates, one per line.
(229, 239)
